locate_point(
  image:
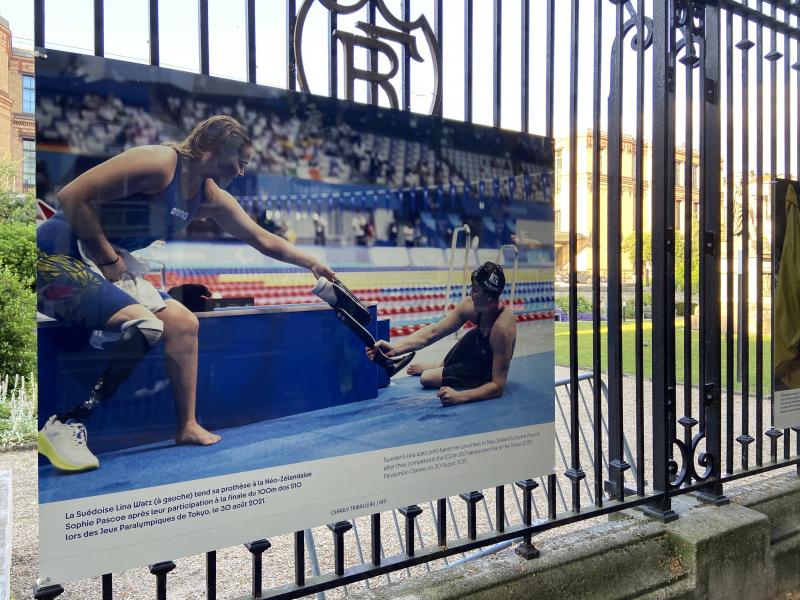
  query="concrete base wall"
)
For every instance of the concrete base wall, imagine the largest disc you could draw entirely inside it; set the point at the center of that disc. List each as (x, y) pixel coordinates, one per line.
(749, 548)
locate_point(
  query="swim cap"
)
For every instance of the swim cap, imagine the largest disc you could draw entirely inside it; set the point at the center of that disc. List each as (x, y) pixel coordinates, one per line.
(490, 278)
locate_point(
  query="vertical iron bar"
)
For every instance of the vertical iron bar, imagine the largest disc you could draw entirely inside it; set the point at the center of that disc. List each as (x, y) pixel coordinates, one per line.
(689, 62)
(291, 63)
(154, 39)
(550, 67)
(497, 21)
(257, 548)
(211, 575)
(772, 57)
(500, 508)
(406, 16)
(250, 24)
(744, 438)
(639, 228)
(525, 62)
(438, 26)
(616, 464)
(333, 72)
(663, 247)
(551, 497)
(472, 499)
(375, 538)
(796, 67)
(468, 14)
(38, 23)
(108, 586)
(759, 431)
(410, 513)
(441, 521)
(526, 549)
(160, 570)
(729, 343)
(597, 406)
(99, 28)
(575, 474)
(299, 558)
(787, 146)
(204, 41)
(372, 57)
(709, 232)
(339, 529)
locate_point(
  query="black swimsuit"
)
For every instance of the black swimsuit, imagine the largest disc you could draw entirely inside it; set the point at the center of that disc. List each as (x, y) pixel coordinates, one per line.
(469, 363)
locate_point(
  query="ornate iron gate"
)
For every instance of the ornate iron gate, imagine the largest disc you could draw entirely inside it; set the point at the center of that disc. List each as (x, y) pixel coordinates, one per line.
(702, 430)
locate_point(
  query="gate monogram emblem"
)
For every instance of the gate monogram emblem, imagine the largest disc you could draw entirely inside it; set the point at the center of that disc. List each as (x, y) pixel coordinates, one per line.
(376, 38)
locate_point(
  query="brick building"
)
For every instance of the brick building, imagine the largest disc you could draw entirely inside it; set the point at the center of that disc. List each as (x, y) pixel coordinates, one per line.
(17, 102)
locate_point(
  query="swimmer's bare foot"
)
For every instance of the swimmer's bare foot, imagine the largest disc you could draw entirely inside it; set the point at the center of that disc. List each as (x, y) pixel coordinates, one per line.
(194, 433)
(418, 368)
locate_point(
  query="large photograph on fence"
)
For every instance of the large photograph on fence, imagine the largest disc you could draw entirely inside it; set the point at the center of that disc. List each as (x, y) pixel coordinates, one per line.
(261, 311)
(786, 304)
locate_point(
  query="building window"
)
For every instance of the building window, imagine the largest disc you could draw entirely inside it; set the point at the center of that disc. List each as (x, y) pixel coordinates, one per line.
(28, 164)
(559, 166)
(28, 94)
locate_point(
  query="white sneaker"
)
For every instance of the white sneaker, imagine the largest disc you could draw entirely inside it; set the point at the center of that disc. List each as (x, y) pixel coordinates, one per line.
(64, 445)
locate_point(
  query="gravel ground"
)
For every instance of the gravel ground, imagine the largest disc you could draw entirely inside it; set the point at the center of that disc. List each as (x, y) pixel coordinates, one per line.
(234, 565)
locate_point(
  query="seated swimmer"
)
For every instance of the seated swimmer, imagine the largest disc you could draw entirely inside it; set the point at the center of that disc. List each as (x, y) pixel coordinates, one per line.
(476, 368)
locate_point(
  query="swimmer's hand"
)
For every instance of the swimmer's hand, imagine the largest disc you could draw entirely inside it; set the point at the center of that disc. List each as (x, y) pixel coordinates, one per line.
(319, 269)
(115, 271)
(449, 396)
(384, 347)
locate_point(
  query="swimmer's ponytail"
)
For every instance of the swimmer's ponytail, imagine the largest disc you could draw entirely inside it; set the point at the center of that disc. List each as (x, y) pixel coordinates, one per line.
(209, 136)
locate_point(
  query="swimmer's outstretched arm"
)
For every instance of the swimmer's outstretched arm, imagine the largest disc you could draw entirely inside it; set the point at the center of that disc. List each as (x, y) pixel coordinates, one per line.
(225, 210)
(430, 334)
(502, 344)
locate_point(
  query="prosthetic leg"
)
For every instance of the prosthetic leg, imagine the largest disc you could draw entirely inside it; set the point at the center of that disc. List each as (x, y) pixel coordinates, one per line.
(63, 438)
(351, 312)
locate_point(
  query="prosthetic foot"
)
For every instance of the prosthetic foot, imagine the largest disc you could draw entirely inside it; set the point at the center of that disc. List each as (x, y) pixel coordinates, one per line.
(63, 438)
(351, 312)
(342, 300)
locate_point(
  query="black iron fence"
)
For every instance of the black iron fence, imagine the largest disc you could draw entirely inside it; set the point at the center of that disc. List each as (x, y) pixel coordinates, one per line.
(693, 190)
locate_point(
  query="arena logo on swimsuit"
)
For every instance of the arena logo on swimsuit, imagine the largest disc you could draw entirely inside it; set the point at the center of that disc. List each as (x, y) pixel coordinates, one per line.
(177, 212)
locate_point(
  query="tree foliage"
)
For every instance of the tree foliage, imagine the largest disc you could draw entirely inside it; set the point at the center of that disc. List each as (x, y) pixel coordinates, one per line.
(17, 275)
(629, 248)
(17, 325)
(18, 249)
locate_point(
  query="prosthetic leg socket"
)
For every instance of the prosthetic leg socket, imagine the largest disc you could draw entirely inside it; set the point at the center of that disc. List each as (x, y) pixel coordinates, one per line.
(355, 316)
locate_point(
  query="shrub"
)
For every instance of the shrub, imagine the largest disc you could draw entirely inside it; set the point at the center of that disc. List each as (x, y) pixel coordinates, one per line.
(18, 249)
(584, 303)
(681, 308)
(17, 325)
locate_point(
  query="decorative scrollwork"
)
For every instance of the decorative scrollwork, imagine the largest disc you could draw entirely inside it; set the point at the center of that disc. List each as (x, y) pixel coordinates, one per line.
(689, 20)
(693, 466)
(375, 40)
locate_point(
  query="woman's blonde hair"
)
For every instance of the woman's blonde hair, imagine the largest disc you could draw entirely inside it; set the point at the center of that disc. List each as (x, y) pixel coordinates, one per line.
(210, 136)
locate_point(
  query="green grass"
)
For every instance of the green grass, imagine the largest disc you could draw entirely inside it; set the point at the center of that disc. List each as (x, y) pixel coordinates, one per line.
(629, 351)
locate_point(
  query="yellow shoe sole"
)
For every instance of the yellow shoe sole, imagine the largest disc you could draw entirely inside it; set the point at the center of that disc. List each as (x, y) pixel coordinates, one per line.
(46, 449)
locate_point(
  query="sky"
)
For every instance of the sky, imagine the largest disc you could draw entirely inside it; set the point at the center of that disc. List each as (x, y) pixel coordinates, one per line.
(69, 25)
